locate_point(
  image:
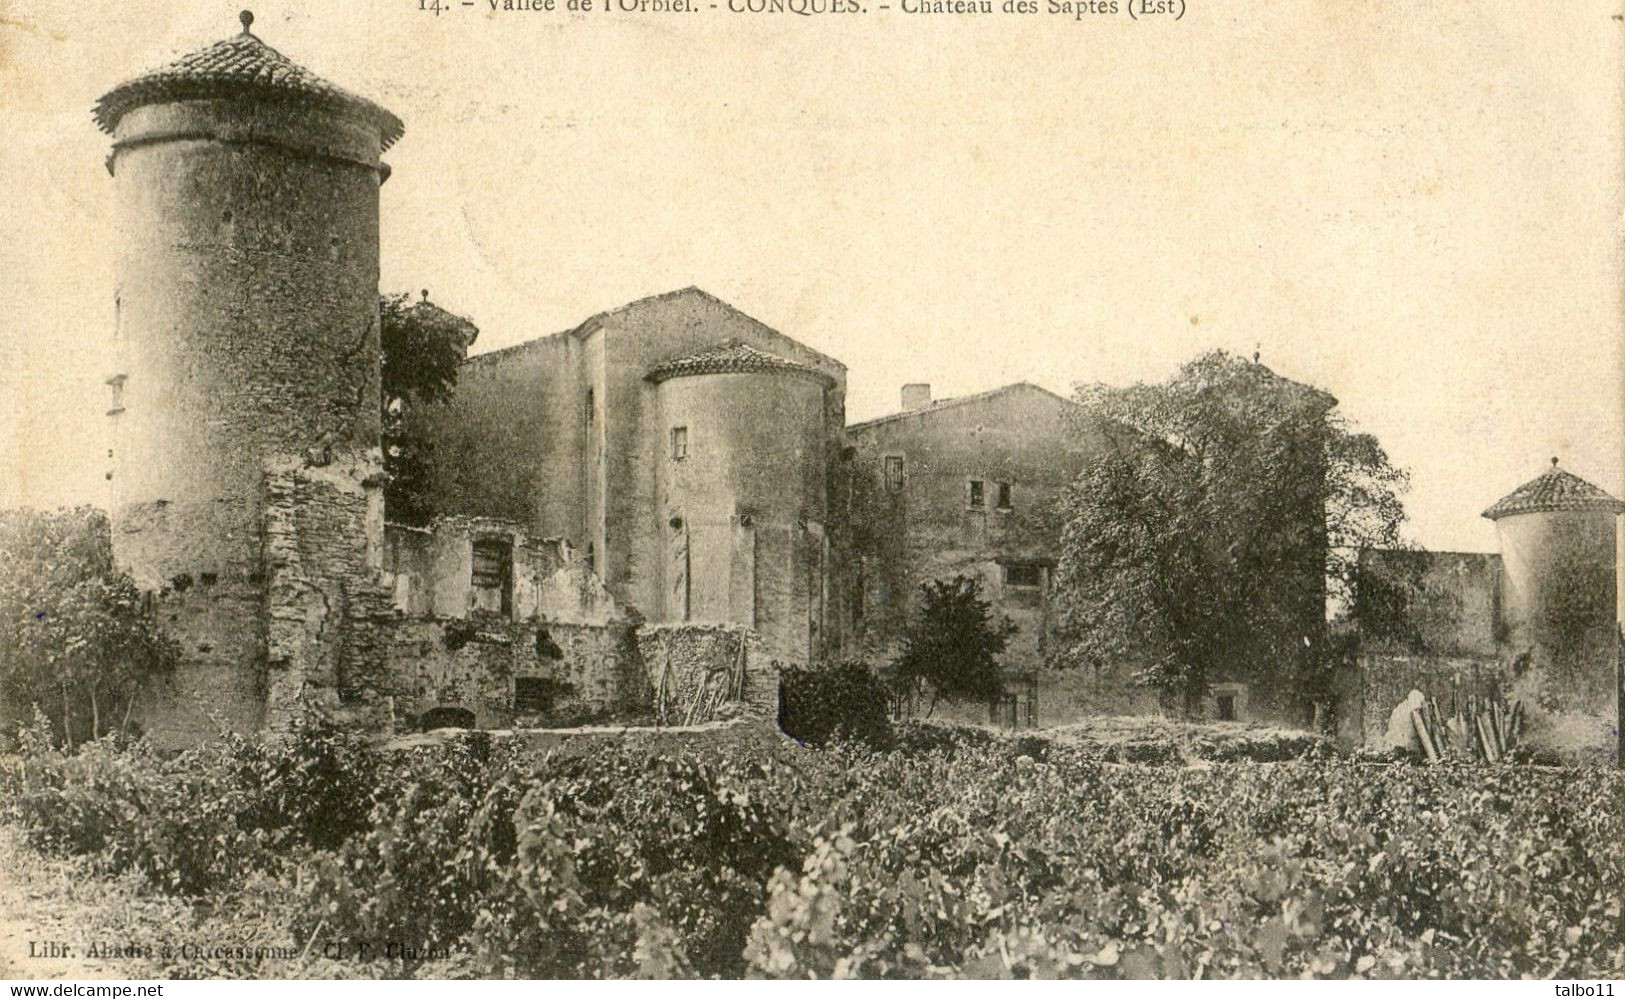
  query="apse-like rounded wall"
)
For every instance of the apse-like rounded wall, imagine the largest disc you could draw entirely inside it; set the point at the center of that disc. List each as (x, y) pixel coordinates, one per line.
(755, 444)
(742, 487)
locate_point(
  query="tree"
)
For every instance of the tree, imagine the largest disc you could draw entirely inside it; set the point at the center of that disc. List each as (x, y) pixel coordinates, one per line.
(74, 637)
(1213, 531)
(951, 643)
(423, 345)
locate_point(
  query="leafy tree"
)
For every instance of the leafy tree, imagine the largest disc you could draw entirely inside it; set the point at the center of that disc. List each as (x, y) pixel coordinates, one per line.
(951, 643)
(423, 345)
(74, 637)
(1215, 531)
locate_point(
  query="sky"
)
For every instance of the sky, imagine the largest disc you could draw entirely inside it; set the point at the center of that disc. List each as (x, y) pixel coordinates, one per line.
(1415, 207)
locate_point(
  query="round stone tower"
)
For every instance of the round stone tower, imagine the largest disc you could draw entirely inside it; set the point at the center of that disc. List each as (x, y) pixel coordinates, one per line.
(1558, 543)
(741, 488)
(246, 339)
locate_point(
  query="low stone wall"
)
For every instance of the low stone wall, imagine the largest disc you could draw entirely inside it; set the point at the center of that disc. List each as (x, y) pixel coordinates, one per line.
(752, 734)
(507, 673)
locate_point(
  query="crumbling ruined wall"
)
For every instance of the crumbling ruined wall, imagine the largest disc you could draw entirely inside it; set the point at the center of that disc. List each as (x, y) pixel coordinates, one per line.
(554, 649)
(585, 673)
(327, 609)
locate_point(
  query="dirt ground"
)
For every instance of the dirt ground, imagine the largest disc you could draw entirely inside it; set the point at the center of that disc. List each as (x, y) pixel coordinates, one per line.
(45, 902)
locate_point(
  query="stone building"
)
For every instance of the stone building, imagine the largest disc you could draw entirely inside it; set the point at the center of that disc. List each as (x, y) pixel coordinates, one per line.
(1535, 621)
(965, 486)
(971, 486)
(686, 448)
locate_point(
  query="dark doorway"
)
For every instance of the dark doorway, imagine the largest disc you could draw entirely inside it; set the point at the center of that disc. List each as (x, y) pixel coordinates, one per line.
(446, 718)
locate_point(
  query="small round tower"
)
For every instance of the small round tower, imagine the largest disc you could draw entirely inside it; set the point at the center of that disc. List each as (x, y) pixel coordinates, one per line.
(741, 489)
(1558, 542)
(246, 332)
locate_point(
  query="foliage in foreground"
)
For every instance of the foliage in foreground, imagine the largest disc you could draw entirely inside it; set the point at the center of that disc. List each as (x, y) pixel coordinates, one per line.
(988, 857)
(828, 702)
(75, 640)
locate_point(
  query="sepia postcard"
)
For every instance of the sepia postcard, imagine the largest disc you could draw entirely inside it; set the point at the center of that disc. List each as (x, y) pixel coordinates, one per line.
(812, 489)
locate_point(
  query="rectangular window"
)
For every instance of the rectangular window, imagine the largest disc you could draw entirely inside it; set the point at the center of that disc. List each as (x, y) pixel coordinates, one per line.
(978, 498)
(679, 443)
(493, 570)
(894, 473)
(1028, 577)
(587, 416)
(1003, 495)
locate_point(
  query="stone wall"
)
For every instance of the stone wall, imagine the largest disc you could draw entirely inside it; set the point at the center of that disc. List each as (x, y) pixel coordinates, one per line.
(432, 571)
(577, 673)
(542, 643)
(327, 609)
(509, 441)
(564, 436)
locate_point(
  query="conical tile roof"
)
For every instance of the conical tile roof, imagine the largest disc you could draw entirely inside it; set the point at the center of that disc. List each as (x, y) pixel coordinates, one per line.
(241, 65)
(731, 356)
(1555, 490)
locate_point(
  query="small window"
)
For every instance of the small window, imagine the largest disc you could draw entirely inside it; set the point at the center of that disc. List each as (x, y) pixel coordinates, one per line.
(493, 558)
(588, 414)
(1002, 495)
(679, 443)
(978, 496)
(894, 473)
(1028, 577)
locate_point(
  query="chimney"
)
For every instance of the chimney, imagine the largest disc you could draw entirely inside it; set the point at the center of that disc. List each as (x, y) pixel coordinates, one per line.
(916, 395)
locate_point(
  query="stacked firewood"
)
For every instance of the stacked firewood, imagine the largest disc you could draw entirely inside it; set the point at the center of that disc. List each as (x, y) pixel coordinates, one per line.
(699, 699)
(1479, 729)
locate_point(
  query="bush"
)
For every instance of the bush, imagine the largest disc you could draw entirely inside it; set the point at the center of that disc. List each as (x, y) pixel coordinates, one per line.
(614, 865)
(196, 822)
(964, 854)
(174, 821)
(821, 703)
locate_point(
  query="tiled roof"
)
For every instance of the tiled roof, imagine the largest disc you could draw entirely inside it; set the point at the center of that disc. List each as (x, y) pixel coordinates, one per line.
(938, 405)
(1556, 490)
(240, 65)
(729, 357)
